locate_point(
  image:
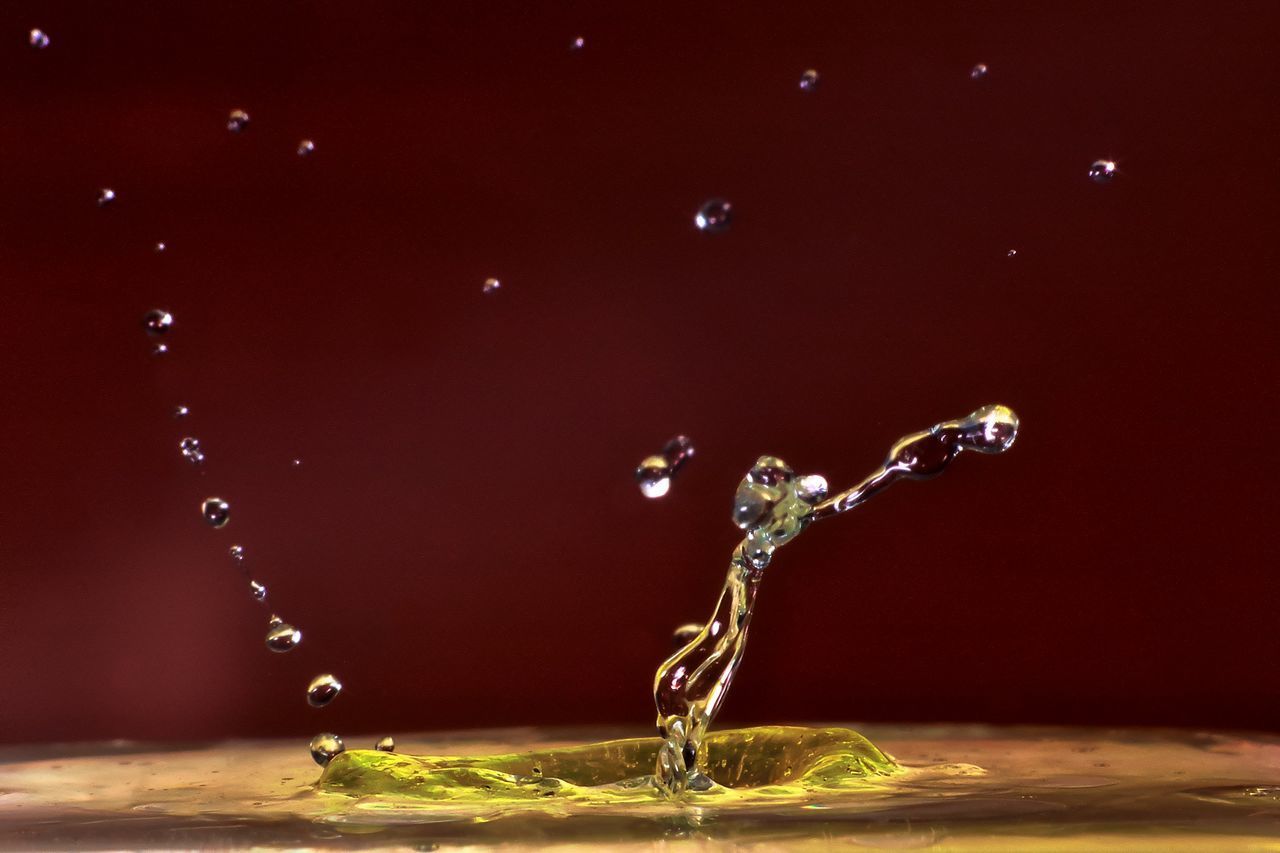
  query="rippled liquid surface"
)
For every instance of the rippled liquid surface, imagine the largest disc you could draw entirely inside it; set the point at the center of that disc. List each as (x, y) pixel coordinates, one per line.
(953, 788)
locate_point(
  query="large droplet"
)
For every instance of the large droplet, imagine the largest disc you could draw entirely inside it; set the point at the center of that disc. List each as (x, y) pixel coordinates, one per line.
(385, 744)
(714, 216)
(809, 80)
(190, 449)
(106, 196)
(216, 512)
(490, 286)
(325, 746)
(978, 71)
(258, 591)
(283, 638)
(322, 690)
(306, 147)
(1102, 171)
(237, 121)
(654, 477)
(157, 321)
(38, 39)
(812, 488)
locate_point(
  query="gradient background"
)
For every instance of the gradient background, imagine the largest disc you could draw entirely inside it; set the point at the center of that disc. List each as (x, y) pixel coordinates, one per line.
(464, 544)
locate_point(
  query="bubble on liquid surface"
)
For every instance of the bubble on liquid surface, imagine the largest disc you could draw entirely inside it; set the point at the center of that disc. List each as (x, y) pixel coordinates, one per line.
(180, 412)
(38, 39)
(236, 552)
(237, 121)
(490, 286)
(258, 591)
(578, 43)
(385, 744)
(283, 638)
(654, 477)
(157, 321)
(978, 71)
(106, 196)
(322, 690)
(190, 449)
(306, 147)
(1102, 171)
(325, 746)
(809, 80)
(216, 512)
(714, 216)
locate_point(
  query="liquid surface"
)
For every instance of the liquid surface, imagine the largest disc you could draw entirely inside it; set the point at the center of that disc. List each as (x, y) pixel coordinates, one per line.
(958, 788)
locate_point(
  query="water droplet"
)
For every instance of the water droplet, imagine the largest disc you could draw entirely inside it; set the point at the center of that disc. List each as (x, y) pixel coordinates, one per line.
(237, 121)
(685, 634)
(385, 744)
(157, 321)
(283, 638)
(978, 71)
(258, 591)
(160, 247)
(758, 548)
(678, 451)
(216, 512)
(236, 552)
(296, 463)
(190, 449)
(322, 690)
(714, 216)
(106, 196)
(809, 80)
(812, 488)
(1102, 171)
(180, 412)
(654, 477)
(275, 621)
(306, 147)
(325, 746)
(578, 43)
(38, 39)
(491, 286)
(1012, 253)
(160, 349)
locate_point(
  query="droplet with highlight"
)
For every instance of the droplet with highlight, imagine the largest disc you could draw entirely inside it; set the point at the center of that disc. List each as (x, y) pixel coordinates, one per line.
(491, 286)
(258, 591)
(38, 39)
(714, 216)
(237, 121)
(306, 147)
(578, 43)
(325, 746)
(978, 71)
(385, 744)
(809, 80)
(653, 477)
(236, 552)
(322, 690)
(160, 349)
(106, 196)
(216, 512)
(180, 412)
(283, 638)
(157, 321)
(1102, 171)
(189, 447)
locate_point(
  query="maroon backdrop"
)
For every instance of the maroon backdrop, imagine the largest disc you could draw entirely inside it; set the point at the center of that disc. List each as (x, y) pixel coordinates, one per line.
(463, 544)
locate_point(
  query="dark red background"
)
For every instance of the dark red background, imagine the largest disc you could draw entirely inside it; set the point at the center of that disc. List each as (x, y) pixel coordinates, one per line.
(463, 544)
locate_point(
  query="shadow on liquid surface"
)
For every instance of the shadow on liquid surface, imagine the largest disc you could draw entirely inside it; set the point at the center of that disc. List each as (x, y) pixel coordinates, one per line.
(953, 787)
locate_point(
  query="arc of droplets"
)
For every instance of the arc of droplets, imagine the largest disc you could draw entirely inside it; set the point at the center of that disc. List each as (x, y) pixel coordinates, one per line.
(773, 506)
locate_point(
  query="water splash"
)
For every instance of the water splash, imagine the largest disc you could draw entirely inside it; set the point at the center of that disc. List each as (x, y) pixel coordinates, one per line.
(774, 507)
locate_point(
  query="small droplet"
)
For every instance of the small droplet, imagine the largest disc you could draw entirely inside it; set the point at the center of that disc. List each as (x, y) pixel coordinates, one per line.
(685, 634)
(1012, 253)
(236, 552)
(322, 690)
(491, 286)
(190, 449)
(1102, 171)
(809, 80)
(160, 349)
(258, 591)
(106, 196)
(216, 512)
(325, 746)
(275, 621)
(38, 39)
(306, 147)
(296, 463)
(237, 121)
(654, 477)
(160, 247)
(283, 638)
(180, 412)
(578, 43)
(714, 216)
(157, 321)
(677, 452)
(978, 71)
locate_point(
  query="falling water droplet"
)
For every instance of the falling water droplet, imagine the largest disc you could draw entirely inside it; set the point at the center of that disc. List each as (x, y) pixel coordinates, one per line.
(306, 147)
(685, 634)
(283, 638)
(654, 477)
(190, 449)
(160, 349)
(106, 196)
(325, 746)
(296, 463)
(1102, 171)
(216, 512)
(237, 121)
(677, 452)
(491, 286)
(385, 744)
(38, 39)
(259, 592)
(809, 80)
(157, 321)
(978, 71)
(180, 412)
(1012, 253)
(322, 690)
(714, 216)
(236, 552)
(160, 247)
(578, 43)
(275, 621)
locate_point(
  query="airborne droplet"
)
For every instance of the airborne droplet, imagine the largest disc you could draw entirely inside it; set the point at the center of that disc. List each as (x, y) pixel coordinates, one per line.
(978, 71)
(1102, 171)
(160, 349)
(325, 746)
(322, 690)
(809, 80)
(236, 552)
(157, 321)
(190, 449)
(654, 477)
(160, 247)
(216, 512)
(180, 412)
(490, 286)
(714, 216)
(306, 147)
(283, 638)
(385, 744)
(38, 39)
(258, 591)
(578, 43)
(237, 121)
(106, 195)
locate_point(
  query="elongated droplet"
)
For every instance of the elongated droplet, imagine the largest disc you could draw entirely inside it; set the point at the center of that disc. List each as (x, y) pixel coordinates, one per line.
(283, 638)
(216, 512)
(325, 746)
(38, 39)
(322, 690)
(106, 196)
(385, 744)
(809, 80)
(714, 216)
(491, 286)
(258, 591)
(1102, 171)
(180, 412)
(157, 321)
(237, 121)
